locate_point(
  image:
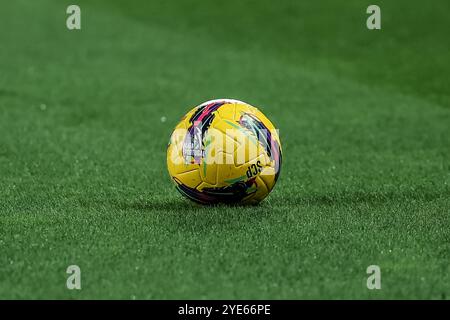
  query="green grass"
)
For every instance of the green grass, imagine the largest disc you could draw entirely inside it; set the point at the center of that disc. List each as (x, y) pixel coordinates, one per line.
(364, 119)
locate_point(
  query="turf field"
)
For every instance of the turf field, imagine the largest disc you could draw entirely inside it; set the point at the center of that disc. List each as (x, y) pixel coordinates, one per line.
(364, 119)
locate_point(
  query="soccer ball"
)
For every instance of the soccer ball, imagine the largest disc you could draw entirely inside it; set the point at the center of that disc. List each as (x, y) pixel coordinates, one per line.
(224, 151)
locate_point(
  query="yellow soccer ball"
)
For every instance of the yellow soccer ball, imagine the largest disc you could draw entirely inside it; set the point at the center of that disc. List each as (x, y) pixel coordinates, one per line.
(224, 151)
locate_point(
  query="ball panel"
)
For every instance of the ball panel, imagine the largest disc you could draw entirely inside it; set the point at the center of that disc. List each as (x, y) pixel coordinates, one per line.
(190, 178)
(226, 111)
